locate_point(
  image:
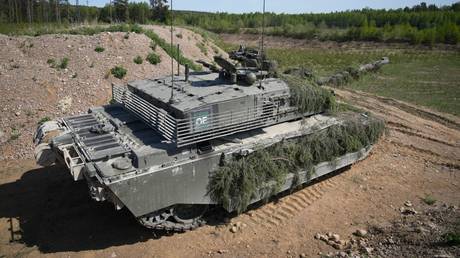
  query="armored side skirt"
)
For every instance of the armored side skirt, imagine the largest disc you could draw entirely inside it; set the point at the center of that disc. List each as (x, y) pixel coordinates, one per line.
(188, 183)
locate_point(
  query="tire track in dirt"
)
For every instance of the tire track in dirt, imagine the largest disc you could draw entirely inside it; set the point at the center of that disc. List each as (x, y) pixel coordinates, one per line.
(274, 214)
(363, 97)
(407, 130)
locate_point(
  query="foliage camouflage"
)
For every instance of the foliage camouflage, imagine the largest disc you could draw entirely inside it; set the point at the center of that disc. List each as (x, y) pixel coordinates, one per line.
(263, 172)
(308, 97)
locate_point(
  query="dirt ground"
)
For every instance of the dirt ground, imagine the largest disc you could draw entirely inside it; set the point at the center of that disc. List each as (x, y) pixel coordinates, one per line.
(44, 213)
(284, 42)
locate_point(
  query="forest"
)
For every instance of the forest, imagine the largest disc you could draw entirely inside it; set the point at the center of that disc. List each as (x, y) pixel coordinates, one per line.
(420, 24)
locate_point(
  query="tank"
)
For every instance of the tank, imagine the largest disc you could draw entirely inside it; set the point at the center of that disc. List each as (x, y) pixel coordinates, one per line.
(169, 148)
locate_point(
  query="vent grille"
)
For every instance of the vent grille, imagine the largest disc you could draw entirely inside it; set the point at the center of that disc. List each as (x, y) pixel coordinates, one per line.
(202, 125)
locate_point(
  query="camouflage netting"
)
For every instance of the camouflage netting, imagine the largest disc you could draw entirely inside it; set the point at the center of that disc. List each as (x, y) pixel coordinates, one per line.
(309, 98)
(263, 172)
(352, 73)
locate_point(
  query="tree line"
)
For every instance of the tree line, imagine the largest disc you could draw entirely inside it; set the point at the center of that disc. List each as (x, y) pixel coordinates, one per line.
(64, 11)
(420, 24)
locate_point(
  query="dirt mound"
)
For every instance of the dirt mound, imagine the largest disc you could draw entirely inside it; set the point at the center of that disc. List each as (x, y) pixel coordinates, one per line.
(37, 84)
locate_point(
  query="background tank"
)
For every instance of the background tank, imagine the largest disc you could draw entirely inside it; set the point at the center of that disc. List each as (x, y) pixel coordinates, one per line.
(166, 150)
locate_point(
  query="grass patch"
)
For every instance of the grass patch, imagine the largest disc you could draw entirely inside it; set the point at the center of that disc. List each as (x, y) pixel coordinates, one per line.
(423, 77)
(99, 49)
(138, 60)
(14, 134)
(153, 58)
(262, 173)
(64, 63)
(451, 239)
(203, 48)
(172, 51)
(43, 120)
(429, 200)
(118, 72)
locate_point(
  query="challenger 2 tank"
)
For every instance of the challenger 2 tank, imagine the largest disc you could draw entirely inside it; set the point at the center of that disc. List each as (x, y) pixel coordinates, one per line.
(168, 148)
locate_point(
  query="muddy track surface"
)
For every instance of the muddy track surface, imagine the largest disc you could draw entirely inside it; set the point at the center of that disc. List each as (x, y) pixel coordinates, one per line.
(52, 216)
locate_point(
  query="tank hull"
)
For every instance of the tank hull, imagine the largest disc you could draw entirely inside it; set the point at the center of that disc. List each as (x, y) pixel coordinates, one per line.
(162, 177)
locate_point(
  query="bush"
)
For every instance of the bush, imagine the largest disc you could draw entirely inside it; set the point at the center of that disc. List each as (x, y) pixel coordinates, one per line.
(14, 134)
(136, 28)
(99, 49)
(64, 63)
(171, 51)
(429, 200)
(138, 60)
(153, 58)
(43, 120)
(452, 239)
(118, 72)
(179, 35)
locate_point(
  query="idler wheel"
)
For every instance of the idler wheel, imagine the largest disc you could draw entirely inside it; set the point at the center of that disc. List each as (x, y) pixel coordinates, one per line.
(44, 155)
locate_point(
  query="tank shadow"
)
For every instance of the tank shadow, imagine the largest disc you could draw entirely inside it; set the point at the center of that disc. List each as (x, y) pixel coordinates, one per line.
(56, 214)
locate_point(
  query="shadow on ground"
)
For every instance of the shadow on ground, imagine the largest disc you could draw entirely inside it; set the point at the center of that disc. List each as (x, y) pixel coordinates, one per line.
(56, 214)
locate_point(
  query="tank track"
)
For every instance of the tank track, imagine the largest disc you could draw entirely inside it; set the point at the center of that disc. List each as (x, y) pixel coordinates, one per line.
(165, 221)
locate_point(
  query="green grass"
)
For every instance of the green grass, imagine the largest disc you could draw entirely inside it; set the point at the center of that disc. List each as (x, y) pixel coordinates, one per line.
(43, 120)
(429, 78)
(99, 49)
(153, 58)
(118, 72)
(452, 239)
(138, 60)
(429, 200)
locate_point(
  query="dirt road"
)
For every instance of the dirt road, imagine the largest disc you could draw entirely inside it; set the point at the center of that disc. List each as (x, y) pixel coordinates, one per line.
(419, 156)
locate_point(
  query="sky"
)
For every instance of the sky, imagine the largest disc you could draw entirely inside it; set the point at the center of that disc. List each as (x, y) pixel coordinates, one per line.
(286, 6)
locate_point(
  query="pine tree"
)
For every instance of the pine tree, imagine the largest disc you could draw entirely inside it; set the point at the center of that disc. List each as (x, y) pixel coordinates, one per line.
(159, 10)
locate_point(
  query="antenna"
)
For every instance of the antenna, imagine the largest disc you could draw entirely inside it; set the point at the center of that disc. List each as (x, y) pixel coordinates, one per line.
(172, 100)
(263, 29)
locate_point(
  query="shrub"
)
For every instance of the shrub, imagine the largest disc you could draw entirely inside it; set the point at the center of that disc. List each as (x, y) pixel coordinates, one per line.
(118, 72)
(451, 239)
(153, 58)
(153, 46)
(179, 35)
(429, 200)
(43, 120)
(14, 134)
(138, 60)
(136, 28)
(64, 63)
(99, 49)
